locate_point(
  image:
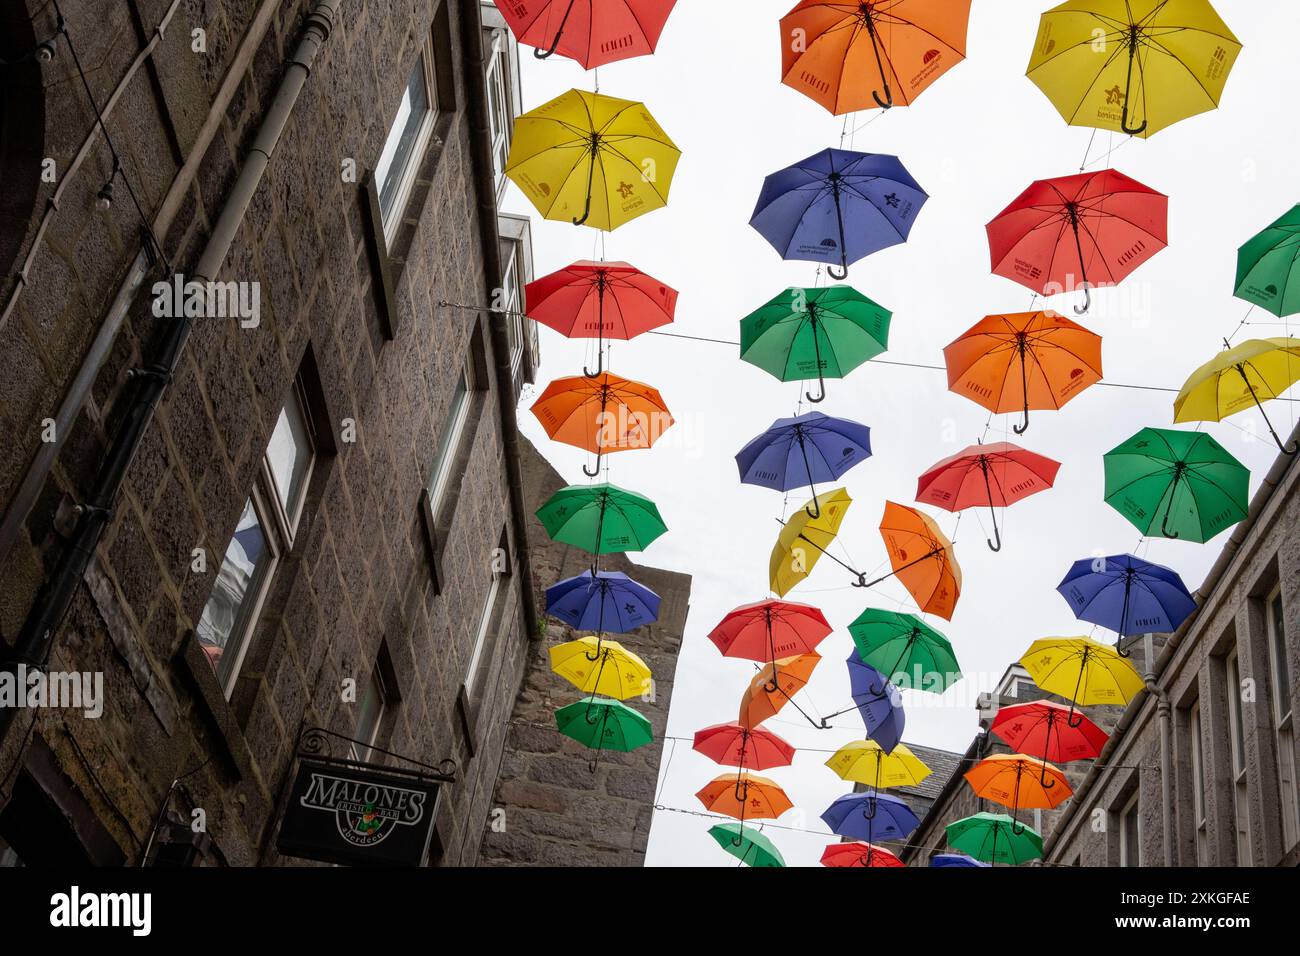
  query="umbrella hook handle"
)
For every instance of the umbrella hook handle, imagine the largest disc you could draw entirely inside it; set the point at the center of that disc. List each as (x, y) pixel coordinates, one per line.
(1122, 651)
(600, 356)
(1164, 527)
(544, 54)
(816, 510)
(594, 149)
(874, 809)
(1021, 347)
(861, 582)
(838, 276)
(1087, 295)
(1023, 426)
(887, 102)
(1134, 131)
(596, 471)
(1042, 778)
(1017, 827)
(821, 395)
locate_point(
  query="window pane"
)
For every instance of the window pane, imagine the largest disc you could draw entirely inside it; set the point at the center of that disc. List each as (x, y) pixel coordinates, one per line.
(450, 438)
(482, 637)
(402, 136)
(369, 714)
(1281, 666)
(289, 456)
(225, 618)
(1131, 853)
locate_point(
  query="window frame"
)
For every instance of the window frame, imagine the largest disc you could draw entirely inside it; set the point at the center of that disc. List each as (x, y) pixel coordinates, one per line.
(454, 432)
(385, 698)
(287, 521)
(391, 222)
(1130, 810)
(1237, 756)
(482, 634)
(497, 81)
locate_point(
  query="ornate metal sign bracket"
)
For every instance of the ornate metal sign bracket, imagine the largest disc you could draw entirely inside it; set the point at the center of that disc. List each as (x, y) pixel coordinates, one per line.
(314, 744)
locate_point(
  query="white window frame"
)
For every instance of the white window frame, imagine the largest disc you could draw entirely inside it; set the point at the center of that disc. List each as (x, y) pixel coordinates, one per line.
(498, 85)
(513, 305)
(287, 518)
(365, 751)
(1237, 745)
(1283, 720)
(483, 632)
(1130, 855)
(393, 220)
(1198, 785)
(440, 479)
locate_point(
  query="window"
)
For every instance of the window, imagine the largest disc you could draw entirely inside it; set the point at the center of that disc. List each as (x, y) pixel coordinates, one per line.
(407, 137)
(453, 428)
(489, 624)
(500, 101)
(1237, 732)
(372, 705)
(264, 533)
(1283, 732)
(1198, 787)
(1130, 834)
(512, 303)
(516, 272)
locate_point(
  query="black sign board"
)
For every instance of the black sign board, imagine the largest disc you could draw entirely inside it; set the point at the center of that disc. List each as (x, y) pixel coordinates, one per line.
(358, 816)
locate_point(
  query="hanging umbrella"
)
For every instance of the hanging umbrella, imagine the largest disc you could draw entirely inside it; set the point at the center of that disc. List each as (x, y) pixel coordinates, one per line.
(737, 745)
(803, 451)
(952, 860)
(1128, 595)
(804, 539)
(1041, 729)
(1183, 484)
(608, 601)
(1018, 782)
(992, 476)
(600, 300)
(1082, 671)
(877, 702)
(593, 32)
(1024, 359)
(922, 559)
(596, 667)
(602, 518)
(1058, 232)
(766, 631)
(905, 649)
(1267, 275)
(864, 761)
(746, 796)
(747, 846)
(858, 854)
(602, 414)
(838, 206)
(1239, 377)
(870, 817)
(604, 725)
(584, 157)
(826, 333)
(774, 686)
(845, 55)
(995, 838)
(1132, 66)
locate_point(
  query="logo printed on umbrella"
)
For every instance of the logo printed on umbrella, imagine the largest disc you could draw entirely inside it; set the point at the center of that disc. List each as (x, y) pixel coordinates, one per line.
(891, 200)
(1115, 96)
(625, 189)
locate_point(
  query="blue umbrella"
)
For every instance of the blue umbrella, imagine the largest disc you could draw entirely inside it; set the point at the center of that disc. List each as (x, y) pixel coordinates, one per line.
(870, 816)
(838, 206)
(1127, 595)
(877, 701)
(803, 451)
(609, 602)
(955, 859)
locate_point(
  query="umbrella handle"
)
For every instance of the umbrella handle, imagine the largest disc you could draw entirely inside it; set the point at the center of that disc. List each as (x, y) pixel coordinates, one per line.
(1125, 127)
(543, 54)
(1164, 527)
(861, 582)
(1024, 423)
(1017, 827)
(1024, 388)
(838, 276)
(816, 510)
(1087, 293)
(1042, 778)
(887, 102)
(1122, 651)
(600, 356)
(874, 809)
(821, 395)
(593, 474)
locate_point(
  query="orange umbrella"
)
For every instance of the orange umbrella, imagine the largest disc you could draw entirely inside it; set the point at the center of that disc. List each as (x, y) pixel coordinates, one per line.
(761, 699)
(746, 796)
(1016, 781)
(604, 414)
(845, 55)
(921, 557)
(1023, 360)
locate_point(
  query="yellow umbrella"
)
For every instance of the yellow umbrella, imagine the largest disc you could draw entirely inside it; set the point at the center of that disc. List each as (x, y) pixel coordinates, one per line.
(601, 667)
(1238, 377)
(804, 539)
(1132, 66)
(863, 761)
(1082, 671)
(592, 159)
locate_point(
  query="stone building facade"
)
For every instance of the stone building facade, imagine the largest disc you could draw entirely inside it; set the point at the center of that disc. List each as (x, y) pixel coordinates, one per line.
(309, 517)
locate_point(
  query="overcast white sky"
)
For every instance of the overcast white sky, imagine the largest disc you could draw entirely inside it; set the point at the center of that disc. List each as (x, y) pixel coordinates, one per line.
(974, 140)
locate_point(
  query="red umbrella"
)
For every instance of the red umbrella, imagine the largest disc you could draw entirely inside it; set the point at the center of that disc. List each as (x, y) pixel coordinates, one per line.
(600, 300)
(1101, 223)
(1042, 729)
(769, 630)
(593, 33)
(993, 475)
(736, 745)
(858, 854)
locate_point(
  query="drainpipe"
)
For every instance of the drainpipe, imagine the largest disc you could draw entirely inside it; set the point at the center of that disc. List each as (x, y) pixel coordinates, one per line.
(471, 28)
(56, 594)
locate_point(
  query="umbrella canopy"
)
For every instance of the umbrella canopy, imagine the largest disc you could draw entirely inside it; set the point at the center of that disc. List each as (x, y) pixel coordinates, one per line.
(1132, 66)
(607, 601)
(773, 687)
(838, 206)
(870, 816)
(804, 539)
(1267, 275)
(1240, 377)
(1061, 234)
(1023, 360)
(814, 333)
(747, 845)
(922, 559)
(588, 158)
(992, 476)
(1126, 594)
(948, 860)
(1179, 484)
(995, 838)
(746, 796)
(602, 414)
(856, 853)
(766, 631)
(863, 761)
(1081, 671)
(877, 702)
(904, 648)
(600, 300)
(606, 668)
(857, 56)
(593, 33)
(1041, 728)
(604, 725)
(736, 745)
(1016, 781)
(803, 451)
(601, 518)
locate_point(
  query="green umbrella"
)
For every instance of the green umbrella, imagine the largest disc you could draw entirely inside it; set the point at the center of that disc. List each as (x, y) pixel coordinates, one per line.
(1182, 484)
(602, 519)
(995, 838)
(805, 332)
(1268, 274)
(747, 846)
(604, 724)
(898, 644)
